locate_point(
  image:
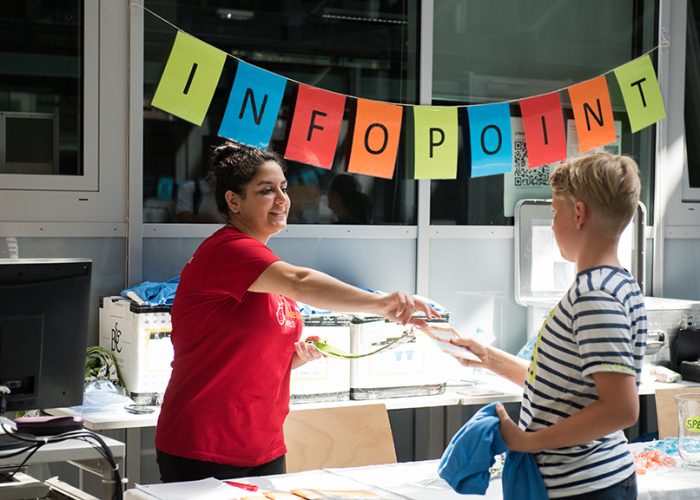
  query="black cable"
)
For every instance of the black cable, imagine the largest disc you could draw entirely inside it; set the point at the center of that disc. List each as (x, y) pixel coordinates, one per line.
(16, 451)
(85, 435)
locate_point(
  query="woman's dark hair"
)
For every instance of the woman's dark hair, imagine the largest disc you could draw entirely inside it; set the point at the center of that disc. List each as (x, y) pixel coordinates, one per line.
(233, 166)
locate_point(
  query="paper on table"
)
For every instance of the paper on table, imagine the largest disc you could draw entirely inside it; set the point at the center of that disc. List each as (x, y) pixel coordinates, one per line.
(209, 489)
(312, 494)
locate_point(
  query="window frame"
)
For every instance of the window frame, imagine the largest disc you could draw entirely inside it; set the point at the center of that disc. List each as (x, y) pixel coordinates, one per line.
(423, 232)
(89, 181)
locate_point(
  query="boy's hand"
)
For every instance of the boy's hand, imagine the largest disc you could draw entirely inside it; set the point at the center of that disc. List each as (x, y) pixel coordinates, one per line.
(516, 439)
(480, 350)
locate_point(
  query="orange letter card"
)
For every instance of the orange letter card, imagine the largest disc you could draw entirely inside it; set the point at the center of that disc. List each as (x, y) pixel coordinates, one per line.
(375, 140)
(592, 113)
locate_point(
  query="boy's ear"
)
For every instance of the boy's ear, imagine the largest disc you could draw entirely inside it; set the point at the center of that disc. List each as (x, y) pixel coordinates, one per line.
(581, 213)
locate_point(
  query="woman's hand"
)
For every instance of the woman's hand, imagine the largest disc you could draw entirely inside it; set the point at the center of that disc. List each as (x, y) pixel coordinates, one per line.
(400, 307)
(515, 438)
(305, 352)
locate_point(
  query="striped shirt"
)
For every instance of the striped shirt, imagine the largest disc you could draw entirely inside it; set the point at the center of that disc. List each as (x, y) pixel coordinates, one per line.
(599, 326)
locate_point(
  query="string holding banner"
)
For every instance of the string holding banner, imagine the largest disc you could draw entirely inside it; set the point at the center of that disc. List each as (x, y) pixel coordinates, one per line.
(193, 69)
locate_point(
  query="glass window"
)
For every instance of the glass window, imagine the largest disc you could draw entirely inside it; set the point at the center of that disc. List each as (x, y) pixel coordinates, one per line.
(41, 89)
(363, 49)
(504, 50)
(691, 180)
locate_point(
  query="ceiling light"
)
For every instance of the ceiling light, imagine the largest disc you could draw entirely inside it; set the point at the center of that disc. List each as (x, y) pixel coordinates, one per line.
(235, 14)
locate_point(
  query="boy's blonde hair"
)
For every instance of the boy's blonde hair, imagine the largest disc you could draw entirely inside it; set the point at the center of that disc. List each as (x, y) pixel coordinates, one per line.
(607, 183)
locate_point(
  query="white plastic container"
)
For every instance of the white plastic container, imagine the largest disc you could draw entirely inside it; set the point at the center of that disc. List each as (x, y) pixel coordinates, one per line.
(328, 378)
(665, 317)
(139, 338)
(414, 368)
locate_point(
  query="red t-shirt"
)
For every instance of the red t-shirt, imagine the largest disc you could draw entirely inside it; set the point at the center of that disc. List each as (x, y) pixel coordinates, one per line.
(228, 394)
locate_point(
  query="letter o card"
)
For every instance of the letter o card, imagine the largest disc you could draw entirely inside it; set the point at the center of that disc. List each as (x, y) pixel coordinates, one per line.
(490, 139)
(375, 140)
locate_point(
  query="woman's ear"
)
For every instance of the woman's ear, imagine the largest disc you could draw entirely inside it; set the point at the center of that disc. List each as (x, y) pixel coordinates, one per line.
(232, 201)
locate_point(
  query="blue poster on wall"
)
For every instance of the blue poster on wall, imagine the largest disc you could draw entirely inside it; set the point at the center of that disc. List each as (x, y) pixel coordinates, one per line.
(253, 105)
(490, 138)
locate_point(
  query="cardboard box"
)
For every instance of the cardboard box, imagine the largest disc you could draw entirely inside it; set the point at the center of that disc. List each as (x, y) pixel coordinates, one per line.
(139, 338)
(328, 378)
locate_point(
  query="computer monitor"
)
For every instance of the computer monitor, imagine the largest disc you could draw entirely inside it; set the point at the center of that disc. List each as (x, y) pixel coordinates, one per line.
(44, 310)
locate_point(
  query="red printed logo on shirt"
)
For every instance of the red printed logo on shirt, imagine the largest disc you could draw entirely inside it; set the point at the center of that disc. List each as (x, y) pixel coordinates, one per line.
(281, 316)
(286, 314)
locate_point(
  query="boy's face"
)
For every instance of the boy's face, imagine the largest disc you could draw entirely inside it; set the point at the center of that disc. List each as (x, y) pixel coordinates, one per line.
(564, 226)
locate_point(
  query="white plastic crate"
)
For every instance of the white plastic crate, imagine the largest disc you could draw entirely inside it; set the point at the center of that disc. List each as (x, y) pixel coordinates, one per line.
(139, 338)
(414, 368)
(328, 378)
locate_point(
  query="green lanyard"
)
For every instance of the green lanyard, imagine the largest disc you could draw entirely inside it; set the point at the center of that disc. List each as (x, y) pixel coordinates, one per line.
(329, 350)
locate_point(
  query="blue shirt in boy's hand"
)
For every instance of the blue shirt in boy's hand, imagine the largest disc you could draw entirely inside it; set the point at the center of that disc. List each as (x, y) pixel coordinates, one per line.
(466, 461)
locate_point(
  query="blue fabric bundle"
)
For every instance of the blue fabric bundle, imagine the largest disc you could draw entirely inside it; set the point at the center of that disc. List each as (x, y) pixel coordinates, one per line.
(155, 293)
(466, 461)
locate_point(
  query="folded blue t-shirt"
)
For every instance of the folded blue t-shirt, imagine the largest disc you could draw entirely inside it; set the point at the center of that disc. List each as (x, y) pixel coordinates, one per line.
(155, 293)
(466, 461)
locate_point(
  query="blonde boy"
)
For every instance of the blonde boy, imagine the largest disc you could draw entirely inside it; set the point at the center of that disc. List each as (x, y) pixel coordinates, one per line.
(580, 389)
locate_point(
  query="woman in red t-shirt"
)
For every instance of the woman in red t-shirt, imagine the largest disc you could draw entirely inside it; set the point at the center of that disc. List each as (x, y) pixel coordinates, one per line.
(236, 329)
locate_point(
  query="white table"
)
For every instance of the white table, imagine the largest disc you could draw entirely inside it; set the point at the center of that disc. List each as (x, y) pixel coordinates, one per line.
(488, 390)
(420, 481)
(121, 419)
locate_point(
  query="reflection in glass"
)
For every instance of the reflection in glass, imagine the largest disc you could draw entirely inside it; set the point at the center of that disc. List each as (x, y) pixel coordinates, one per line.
(505, 50)
(692, 99)
(195, 202)
(362, 49)
(9, 248)
(347, 201)
(41, 64)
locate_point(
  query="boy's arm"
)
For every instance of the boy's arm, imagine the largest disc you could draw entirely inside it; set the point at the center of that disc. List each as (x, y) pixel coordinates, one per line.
(617, 408)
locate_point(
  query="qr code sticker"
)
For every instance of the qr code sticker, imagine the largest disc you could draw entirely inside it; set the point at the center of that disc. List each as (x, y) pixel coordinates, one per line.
(524, 176)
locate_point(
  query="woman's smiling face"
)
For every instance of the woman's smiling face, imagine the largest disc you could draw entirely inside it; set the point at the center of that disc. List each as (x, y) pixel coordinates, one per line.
(263, 208)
